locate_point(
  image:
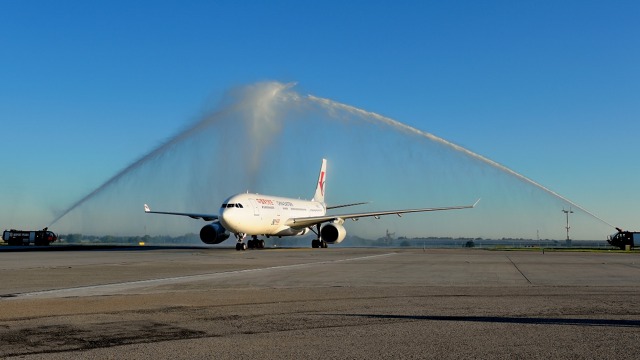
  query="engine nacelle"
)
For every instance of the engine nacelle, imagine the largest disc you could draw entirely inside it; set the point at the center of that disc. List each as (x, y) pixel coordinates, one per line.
(213, 233)
(333, 233)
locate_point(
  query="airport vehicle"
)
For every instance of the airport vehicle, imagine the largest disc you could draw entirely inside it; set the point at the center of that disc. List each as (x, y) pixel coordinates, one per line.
(623, 238)
(43, 237)
(255, 214)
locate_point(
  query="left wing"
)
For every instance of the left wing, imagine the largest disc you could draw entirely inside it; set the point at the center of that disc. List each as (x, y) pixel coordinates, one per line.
(302, 222)
(205, 217)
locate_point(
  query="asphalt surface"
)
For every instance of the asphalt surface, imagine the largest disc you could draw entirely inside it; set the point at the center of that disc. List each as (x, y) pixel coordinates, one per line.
(318, 303)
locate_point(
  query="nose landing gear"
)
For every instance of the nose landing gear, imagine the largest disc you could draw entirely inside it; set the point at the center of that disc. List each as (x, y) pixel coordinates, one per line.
(241, 245)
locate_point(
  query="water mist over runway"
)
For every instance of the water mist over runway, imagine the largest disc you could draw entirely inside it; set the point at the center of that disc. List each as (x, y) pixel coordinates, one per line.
(267, 138)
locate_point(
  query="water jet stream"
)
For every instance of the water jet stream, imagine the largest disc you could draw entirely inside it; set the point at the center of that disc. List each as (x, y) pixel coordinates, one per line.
(411, 130)
(254, 102)
(156, 152)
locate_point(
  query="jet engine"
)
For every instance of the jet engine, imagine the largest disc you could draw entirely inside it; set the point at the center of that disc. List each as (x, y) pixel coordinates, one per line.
(333, 233)
(213, 233)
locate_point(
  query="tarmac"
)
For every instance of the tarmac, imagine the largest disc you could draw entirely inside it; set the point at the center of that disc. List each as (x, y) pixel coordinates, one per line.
(336, 303)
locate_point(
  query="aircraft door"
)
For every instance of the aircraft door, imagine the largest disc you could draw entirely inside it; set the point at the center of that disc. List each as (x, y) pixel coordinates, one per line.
(255, 206)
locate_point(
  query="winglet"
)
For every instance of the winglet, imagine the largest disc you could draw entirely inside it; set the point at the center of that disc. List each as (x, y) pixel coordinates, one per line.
(146, 208)
(476, 203)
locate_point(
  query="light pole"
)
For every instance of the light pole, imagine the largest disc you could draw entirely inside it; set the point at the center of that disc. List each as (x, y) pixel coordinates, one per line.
(567, 212)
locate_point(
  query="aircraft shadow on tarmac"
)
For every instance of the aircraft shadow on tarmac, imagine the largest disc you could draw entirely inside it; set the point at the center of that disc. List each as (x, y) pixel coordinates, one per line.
(510, 320)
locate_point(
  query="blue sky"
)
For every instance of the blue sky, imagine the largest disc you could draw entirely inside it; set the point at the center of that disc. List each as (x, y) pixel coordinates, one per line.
(550, 89)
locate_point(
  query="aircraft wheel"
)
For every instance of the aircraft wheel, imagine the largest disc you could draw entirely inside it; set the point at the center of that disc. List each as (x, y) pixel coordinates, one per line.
(241, 246)
(251, 244)
(261, 244)
(315, 244)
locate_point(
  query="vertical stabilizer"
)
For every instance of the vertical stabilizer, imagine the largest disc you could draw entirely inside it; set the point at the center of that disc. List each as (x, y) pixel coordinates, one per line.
(320, 186)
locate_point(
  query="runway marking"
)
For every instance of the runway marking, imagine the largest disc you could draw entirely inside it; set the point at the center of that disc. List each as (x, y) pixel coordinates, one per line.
(94, 290)
(520, 271)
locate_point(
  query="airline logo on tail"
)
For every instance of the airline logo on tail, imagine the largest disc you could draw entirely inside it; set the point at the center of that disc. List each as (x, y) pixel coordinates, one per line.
(321, 183)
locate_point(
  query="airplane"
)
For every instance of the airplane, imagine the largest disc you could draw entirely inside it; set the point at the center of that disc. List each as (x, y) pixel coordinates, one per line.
(255, 214)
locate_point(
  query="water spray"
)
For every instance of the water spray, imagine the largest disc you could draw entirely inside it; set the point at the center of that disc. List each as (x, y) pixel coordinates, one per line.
(253, 117)
(136, 164)
(332, 105)
(253, 104)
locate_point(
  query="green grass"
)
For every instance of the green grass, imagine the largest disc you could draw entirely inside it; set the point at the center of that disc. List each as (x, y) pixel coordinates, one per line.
(591, 250)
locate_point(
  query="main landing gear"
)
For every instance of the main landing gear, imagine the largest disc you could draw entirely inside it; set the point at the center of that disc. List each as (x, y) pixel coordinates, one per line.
(254, 243)
(318, 243)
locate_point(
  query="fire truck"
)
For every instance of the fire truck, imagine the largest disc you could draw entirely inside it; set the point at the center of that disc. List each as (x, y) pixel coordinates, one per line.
(43, 237)
(623, 238)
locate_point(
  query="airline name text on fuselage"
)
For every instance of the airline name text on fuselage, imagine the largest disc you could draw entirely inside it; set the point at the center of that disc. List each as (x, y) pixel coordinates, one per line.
(271, 202)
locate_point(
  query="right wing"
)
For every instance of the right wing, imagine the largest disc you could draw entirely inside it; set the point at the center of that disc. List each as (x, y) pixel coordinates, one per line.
(314, 220)
(345, 205)
(205, 217)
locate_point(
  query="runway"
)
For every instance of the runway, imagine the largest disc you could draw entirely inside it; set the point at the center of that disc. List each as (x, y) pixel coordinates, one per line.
(318, 303)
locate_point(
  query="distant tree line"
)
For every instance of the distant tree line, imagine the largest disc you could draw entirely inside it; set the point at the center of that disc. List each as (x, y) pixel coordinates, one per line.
(349, 241)
(186, 239)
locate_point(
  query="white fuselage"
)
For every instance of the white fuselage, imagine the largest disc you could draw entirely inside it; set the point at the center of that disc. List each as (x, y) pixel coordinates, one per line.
(255, 214)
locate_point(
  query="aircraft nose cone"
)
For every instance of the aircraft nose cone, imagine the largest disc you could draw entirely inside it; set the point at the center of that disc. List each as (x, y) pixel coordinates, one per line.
(228, 220)
(224, 218)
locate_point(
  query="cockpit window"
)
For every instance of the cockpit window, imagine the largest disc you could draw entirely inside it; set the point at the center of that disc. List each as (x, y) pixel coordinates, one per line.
(230, 205)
